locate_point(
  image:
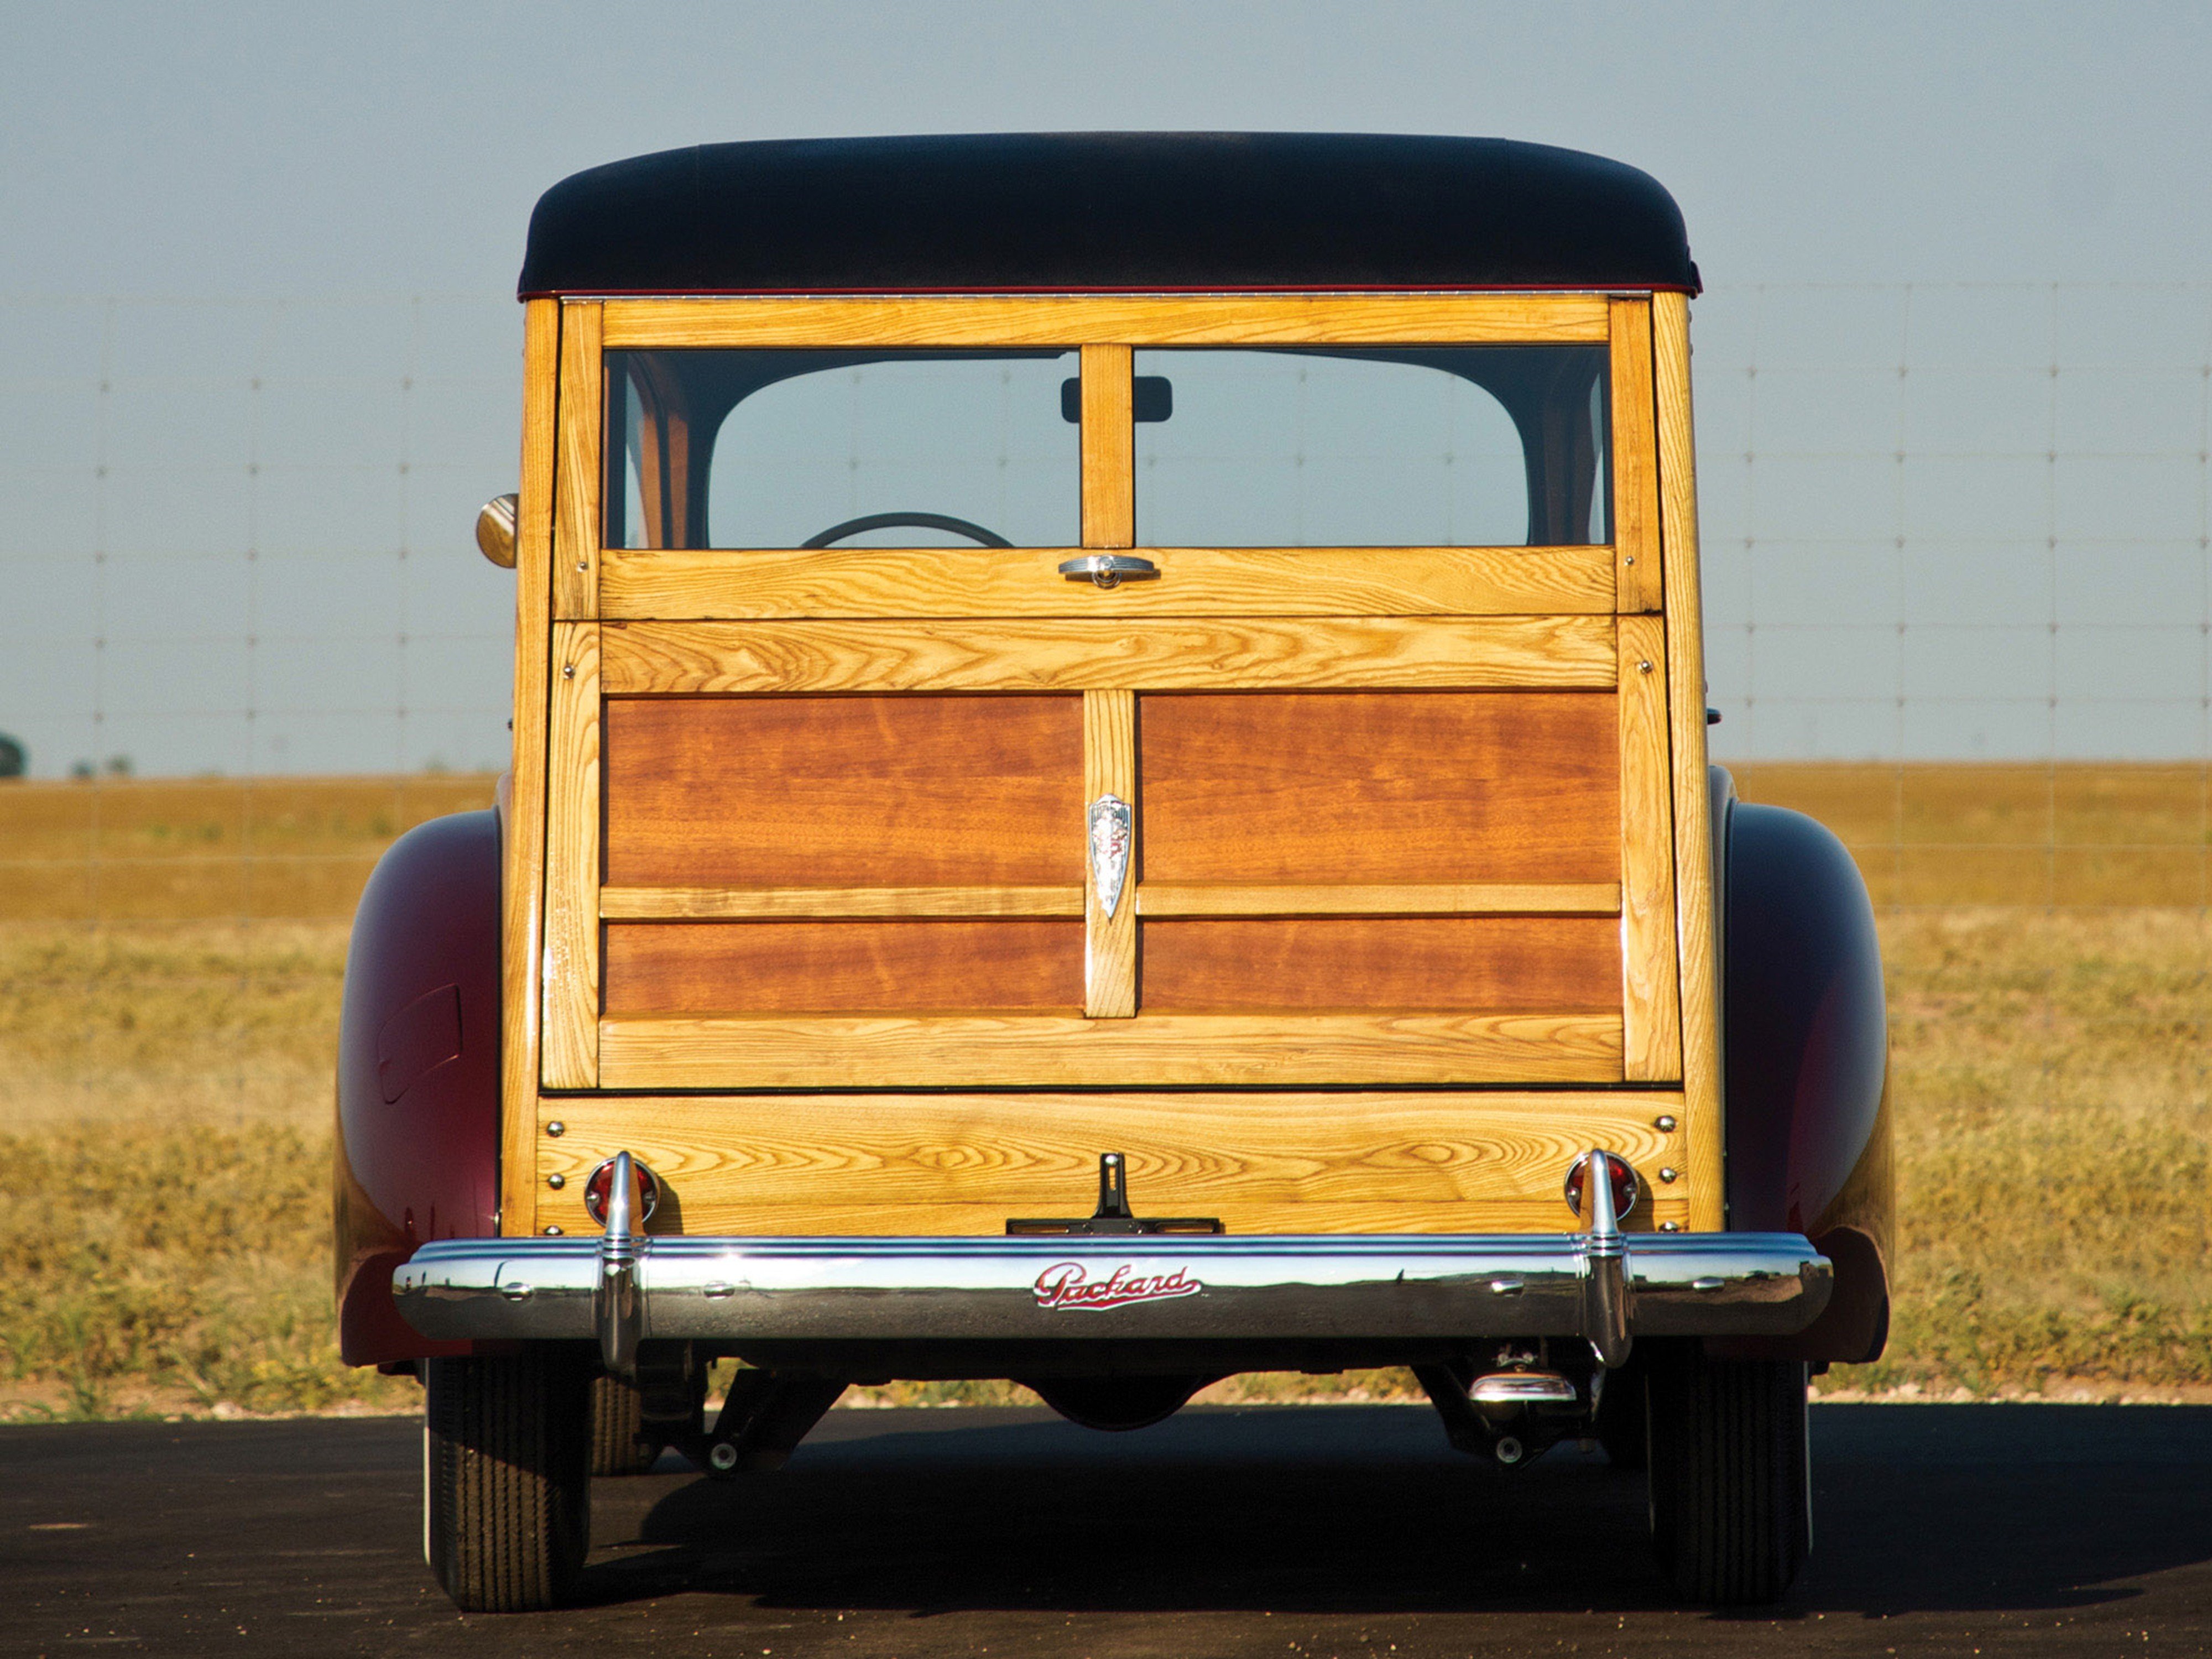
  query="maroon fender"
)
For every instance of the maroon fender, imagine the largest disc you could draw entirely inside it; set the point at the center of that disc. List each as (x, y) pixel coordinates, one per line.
(1807, 1040)
(417, 1144)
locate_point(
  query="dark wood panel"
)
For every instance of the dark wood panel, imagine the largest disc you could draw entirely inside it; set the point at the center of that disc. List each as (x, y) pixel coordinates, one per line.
(1390, 787)
(845, 967)
(1500, 964)
(896, 791)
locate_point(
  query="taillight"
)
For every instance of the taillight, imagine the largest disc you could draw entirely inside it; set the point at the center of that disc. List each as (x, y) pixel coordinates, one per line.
(1621, 1177)
(602, 1182)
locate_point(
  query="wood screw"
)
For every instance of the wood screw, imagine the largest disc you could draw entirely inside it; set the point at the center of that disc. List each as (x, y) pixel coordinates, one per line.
(556, 1181)
(1664, 1125)
(556, 1127)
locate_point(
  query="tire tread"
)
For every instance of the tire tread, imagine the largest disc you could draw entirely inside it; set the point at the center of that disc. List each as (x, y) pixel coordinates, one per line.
(506, 1497)
(1730, 1504)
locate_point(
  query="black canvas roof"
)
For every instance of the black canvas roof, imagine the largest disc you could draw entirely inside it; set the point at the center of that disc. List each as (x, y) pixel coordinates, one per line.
(1106, 210)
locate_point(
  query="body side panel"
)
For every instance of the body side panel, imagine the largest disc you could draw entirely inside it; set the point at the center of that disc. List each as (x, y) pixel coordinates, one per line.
(417, 1143)
(1807, 1067)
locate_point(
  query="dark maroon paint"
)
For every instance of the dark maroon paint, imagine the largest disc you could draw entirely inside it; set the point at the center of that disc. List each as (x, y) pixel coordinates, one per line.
(1807, 1040)
(418, 1146)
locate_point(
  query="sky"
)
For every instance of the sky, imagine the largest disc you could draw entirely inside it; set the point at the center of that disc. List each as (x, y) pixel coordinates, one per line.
(222, 153)
(229, 149)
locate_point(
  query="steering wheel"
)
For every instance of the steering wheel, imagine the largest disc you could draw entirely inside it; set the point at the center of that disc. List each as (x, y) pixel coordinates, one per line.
(975, 532)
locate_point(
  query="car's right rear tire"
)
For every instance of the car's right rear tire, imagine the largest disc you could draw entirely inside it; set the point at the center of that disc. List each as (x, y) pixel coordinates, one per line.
(506, 1482)
(1731, 1492)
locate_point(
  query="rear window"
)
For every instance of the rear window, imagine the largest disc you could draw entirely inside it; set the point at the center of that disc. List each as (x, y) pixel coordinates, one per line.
(1424, 447)
(1440, 447)
(784, 448)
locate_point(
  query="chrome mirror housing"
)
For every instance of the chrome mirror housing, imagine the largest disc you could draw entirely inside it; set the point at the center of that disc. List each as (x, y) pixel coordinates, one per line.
(495, 530)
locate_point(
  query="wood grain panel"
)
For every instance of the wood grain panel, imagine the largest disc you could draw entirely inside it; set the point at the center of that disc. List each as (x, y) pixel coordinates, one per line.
(1110, 767)
(844, 967)
(1651, 1008)
(1079, 319)
(1109, 468)
(1376, 788)
(1498, 964)
(791, 904)
(1695, 914)
(1382, 652)
(522, 803)
(643, 584)
(572, 862)
(845, 791)
(576, 523)
(1528, 898)
(1044, 1051)
(1635, 461)
(965, 1163)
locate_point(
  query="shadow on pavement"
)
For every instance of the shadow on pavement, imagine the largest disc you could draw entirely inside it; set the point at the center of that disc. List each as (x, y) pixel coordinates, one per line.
(1361, 1508)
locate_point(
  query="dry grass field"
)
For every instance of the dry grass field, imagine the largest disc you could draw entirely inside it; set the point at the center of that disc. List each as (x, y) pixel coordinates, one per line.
(171, 953)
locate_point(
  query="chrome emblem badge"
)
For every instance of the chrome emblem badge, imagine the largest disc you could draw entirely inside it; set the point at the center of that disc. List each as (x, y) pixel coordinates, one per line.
(1064, 1286)
(1110, 834)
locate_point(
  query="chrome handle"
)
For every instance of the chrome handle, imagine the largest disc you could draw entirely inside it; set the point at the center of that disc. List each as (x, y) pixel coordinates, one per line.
(1108, 569)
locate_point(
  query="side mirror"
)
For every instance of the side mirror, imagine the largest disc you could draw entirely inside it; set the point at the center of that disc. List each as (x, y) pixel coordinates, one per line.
(495, 530)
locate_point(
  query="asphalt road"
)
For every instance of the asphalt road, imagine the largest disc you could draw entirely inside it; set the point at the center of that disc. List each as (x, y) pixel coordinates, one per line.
(1289, 1531)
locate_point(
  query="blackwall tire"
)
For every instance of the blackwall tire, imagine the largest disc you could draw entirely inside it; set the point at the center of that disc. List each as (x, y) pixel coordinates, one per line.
(1731, 1498)
(619, 1445)
(506, 1490)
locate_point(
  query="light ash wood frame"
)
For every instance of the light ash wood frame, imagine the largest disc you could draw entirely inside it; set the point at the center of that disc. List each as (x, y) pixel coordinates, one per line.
(522, 819)
(1360, 1161)
(1583, 609)
(1697, 911)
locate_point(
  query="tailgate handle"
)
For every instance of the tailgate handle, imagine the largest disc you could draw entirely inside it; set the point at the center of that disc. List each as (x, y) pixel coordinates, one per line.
(1108, 569)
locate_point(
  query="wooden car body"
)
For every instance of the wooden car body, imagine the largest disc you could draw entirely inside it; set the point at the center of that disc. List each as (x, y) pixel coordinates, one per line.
(797, 893)
(868, 909)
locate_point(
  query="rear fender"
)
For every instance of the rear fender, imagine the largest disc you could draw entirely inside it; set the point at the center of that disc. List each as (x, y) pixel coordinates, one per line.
(417, 1143)
(1807, 1055)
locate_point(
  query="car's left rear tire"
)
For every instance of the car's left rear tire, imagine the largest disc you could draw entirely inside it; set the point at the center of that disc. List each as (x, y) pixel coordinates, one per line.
(506, 1482)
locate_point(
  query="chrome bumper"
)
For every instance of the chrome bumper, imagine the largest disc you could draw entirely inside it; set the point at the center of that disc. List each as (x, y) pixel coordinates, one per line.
(1603, 1286)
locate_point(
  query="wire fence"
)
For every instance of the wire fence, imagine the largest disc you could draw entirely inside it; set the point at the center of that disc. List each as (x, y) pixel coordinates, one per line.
(1958, 577)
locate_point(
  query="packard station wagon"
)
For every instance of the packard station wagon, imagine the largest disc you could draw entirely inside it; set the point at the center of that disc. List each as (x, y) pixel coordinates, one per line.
(1110, 790)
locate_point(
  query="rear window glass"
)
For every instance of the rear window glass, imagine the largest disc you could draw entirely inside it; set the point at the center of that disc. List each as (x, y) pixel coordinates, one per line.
(1436, 446)
(788, 448)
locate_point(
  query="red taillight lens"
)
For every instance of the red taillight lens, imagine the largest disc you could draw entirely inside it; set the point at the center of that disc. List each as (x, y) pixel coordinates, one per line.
(602, 1182)
(1625, 1186)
